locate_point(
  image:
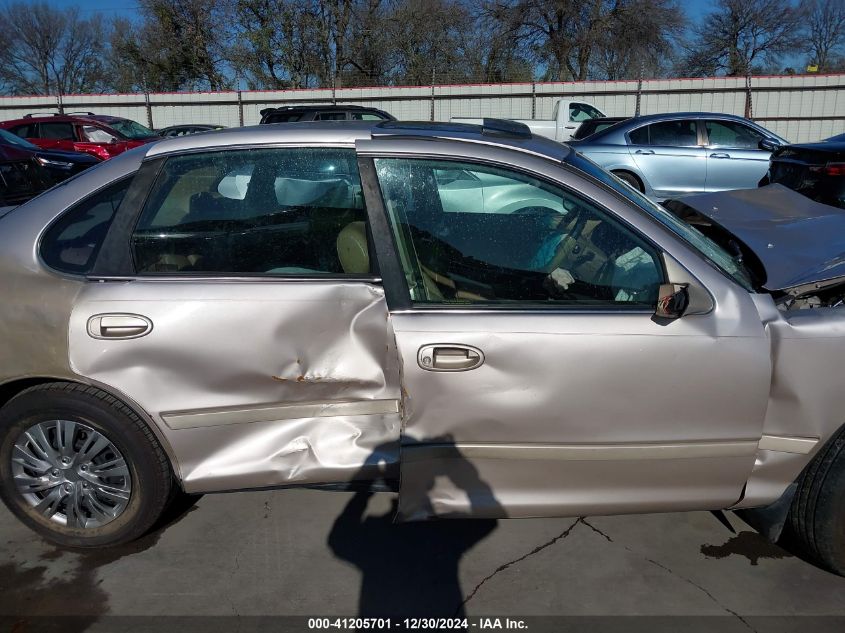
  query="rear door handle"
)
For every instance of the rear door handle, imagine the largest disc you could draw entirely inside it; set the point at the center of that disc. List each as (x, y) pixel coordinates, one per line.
(719, 155)
(645, 151)
(118, 326)
(449, 357)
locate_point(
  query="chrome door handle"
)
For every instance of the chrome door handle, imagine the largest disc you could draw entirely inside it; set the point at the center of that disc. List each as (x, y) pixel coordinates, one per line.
(718, 155)
(645, 151)
(117, 326)
(449, 357)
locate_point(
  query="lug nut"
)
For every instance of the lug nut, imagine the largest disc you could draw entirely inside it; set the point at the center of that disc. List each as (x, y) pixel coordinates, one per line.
(68, 487)
(55, 472)
(66, 460)
(83, 467)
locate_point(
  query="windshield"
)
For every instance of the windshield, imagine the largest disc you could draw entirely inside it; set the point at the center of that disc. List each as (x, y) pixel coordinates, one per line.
(13, 139)
(130, 129)
(710, 250)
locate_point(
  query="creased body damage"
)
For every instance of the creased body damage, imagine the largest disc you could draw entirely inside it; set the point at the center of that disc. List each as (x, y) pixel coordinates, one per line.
(807, 398)
(254, 383)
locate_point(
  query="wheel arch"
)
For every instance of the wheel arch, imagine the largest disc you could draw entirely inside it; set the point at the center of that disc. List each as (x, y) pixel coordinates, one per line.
(770, 520)
(631, 172)
(11, 388)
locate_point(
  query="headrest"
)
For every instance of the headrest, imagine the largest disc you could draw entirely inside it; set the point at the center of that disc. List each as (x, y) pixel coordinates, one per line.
(352, 249)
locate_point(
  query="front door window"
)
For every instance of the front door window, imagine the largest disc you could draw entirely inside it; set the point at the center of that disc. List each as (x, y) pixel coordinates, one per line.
(473, 234)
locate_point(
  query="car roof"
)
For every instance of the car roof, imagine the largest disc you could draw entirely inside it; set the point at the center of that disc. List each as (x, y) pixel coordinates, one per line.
(340, 133)
(67, 118)
(317, 106)
(685, 115)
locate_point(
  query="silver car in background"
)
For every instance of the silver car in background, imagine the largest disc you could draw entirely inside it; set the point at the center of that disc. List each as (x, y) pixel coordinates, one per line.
(666, 155)
(288, 305)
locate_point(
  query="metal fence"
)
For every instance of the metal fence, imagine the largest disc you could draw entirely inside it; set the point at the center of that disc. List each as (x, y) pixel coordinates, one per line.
(799, 108)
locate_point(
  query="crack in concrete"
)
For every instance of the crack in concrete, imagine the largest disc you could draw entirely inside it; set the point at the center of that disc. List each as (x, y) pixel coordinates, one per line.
(505, 566)
(672, 572)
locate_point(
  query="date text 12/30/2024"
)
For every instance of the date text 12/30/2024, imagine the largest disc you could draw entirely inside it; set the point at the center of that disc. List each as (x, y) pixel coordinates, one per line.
(417, 624)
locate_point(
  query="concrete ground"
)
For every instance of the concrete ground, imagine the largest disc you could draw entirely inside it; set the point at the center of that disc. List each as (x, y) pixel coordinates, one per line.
(310, 553)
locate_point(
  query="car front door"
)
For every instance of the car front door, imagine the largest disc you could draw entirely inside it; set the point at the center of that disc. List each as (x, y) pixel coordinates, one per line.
(536, 378)
(669, 156)
(234, 301)
(734, 157)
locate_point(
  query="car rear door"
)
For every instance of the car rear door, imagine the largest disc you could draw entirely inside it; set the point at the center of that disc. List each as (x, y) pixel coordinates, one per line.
(734, 157)
(536, 379)
(234, 301)
(669, 156)
(60, 135)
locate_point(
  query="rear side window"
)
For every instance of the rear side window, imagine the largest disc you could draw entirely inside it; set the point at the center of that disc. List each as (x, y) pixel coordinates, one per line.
(667, 134)
(25, 131)
(71, 244)
(283, 117)
(366, 116)
(330, 116)
(280, 211)
(57, 131)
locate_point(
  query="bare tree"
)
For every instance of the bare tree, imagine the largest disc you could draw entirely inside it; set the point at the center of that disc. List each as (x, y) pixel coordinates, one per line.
(826, 31)
(180, 44)
(641, 41)
(275, 45)
(743, 34)
(47, 50)
(567, 38)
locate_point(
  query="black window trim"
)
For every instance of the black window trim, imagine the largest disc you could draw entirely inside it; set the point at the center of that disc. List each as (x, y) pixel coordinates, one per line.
(40, 242)
(398, 293)
(115, 261)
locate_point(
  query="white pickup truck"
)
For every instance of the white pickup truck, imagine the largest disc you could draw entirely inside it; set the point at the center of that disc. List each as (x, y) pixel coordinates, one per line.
(568, 115)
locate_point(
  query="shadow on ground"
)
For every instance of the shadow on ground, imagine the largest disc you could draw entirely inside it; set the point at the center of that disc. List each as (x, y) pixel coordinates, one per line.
(748, 544)
(411, 569)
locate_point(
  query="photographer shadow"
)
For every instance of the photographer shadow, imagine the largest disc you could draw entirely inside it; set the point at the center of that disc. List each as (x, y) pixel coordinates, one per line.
(411, 569)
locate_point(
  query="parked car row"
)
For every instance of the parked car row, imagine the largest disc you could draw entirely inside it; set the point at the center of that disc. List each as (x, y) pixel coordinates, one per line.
(661, 155)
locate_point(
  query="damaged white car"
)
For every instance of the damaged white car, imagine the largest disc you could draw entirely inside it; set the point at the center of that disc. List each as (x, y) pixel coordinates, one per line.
(514, 330)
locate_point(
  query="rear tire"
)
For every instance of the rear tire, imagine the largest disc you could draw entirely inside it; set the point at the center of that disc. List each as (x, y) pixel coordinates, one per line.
(631, 179)
(816, 521)
(82, 438)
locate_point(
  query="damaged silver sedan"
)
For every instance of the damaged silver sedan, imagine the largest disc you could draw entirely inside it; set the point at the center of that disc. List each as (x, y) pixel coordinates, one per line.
(488, 314)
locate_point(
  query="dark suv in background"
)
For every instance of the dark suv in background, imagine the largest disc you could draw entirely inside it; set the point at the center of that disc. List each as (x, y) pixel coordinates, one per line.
(57, 165)
(21, 177)
(299, 114)
(99, 135)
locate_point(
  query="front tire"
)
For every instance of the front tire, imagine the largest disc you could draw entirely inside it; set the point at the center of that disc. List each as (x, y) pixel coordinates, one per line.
(80, 467)
(816, 521)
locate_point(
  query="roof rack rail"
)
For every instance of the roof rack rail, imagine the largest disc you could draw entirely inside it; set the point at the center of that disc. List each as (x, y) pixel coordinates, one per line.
(85, 113)
(506, 127)
(29, 115)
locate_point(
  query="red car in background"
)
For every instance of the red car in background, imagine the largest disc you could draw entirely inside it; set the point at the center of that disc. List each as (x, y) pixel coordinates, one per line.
(99, 135)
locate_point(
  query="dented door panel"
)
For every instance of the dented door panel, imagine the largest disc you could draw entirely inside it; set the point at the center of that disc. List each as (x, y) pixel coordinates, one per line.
(254, 382)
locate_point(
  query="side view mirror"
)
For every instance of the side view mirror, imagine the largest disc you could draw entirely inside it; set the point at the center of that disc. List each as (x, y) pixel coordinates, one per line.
(768, 145)
(672, 301)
